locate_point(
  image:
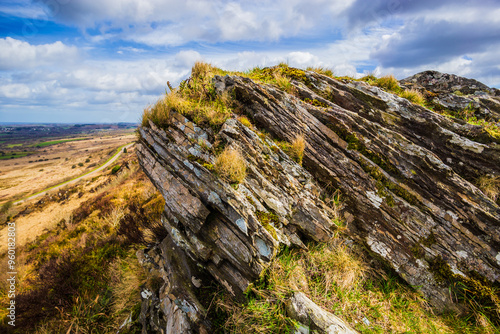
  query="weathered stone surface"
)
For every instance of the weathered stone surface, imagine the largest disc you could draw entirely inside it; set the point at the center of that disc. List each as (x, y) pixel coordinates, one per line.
(457, 93)
(215, 227)
(405, 170)
(305, 311)
(406, 173)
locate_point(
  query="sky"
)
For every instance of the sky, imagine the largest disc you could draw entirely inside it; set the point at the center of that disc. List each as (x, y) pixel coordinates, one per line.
(104, 61)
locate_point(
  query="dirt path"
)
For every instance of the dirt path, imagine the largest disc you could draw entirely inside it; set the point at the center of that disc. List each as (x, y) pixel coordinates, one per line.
(106, 164)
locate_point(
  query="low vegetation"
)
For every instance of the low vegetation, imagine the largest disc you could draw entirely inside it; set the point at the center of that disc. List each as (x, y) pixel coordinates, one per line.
(413, 95)
(54, 142)
(83, 276)
(339, 277)
(295, 149)
(388, 82)
(230, 165)
(490, 185)
(321, 70)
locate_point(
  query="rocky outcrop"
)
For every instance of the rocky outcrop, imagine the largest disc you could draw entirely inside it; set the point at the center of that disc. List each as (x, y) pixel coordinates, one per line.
(407, 175)
(456, 93)
(404, 169)
(216, 227)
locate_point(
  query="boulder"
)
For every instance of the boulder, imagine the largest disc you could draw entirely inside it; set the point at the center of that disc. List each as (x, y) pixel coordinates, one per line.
(305, 311)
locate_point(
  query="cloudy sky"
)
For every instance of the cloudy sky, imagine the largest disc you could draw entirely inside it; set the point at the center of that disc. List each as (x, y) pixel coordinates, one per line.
(105, 60)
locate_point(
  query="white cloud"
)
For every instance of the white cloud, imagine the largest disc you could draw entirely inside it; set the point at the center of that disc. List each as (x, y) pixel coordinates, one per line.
(16, 54)
(171, 23)
(15, 91)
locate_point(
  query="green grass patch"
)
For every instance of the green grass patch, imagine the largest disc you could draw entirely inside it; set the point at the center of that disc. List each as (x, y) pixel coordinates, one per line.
(14, 145)
(14, 155)
(54, 142)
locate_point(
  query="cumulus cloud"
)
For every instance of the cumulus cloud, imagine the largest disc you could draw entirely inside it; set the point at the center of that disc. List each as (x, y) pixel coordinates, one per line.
(362, 13)
(171, 23)
(423, 42)
(16, 54)
(15, 91)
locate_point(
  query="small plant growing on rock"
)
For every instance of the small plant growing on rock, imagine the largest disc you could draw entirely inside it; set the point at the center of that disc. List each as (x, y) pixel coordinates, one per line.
(297, 149)
(490, 185)
(283, 83)
(388, 82)
(413, 95)
(243, 120)
(158, 114)
(321, 70)
(230, 165)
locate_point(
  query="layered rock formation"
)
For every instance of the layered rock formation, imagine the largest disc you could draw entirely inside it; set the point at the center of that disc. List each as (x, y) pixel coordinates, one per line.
(407, 175)
(457, 93)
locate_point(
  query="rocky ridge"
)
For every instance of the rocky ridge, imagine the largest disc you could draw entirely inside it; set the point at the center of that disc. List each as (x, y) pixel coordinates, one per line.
(407, 175)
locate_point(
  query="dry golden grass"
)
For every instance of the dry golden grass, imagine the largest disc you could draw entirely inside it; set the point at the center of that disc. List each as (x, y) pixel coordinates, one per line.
(283, 82)
(203, 70)
(245, 121)
(490, 185)
(231, 165)
(388, 82)
(297, 148)
(413, 95)
(321, 70)
(128, 276)
(159, 113)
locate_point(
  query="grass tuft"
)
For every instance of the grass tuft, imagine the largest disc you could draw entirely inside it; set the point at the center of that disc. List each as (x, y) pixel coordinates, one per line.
(297, 149)
(231, 165)
(202, 70)
(321, 70)
(158, 113)
(388, 82)
(413, 95)
(245, 121)
(490, 185)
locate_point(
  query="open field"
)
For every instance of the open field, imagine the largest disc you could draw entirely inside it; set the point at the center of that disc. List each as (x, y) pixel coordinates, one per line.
(55, 162)
(53, 142)
(73, 235)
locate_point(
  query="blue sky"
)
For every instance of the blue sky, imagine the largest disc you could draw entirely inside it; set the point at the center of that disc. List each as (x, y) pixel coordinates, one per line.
(104, 61)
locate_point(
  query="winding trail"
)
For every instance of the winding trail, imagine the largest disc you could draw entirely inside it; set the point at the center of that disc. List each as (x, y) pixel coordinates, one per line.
(92, 172)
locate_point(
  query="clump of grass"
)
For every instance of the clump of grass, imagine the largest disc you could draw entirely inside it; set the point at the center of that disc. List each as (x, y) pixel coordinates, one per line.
(230, 165)
(490, 185)
(159, 114)
(321, 70)
(202, 70)
(370, 78)
(413, 95)
(297, 149)
(283, 82)
(388, 82)
(335, 204)
(262, 314)
(245, 121)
